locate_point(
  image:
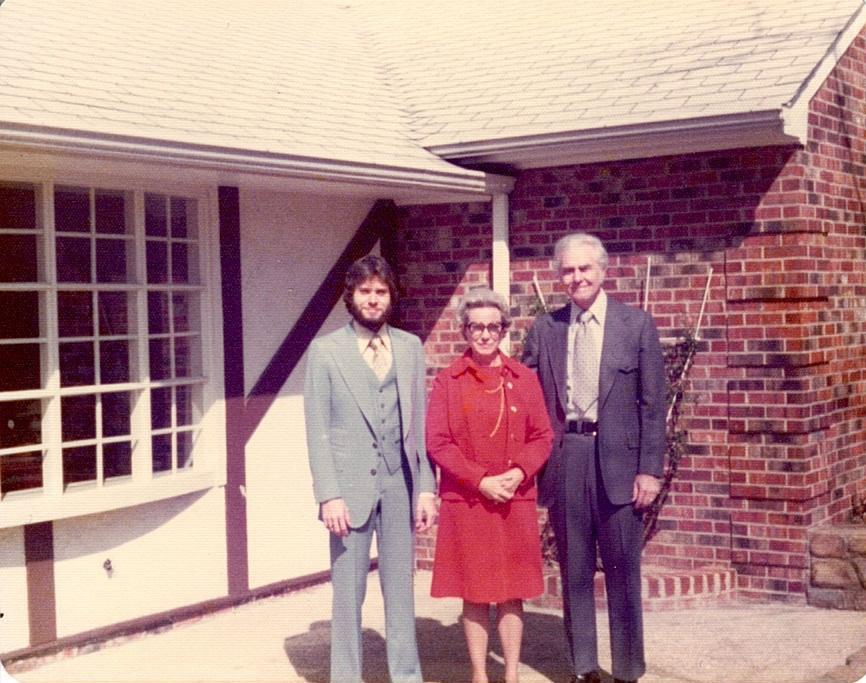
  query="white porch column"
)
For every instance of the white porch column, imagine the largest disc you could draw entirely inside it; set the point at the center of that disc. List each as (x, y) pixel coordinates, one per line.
(499, 188)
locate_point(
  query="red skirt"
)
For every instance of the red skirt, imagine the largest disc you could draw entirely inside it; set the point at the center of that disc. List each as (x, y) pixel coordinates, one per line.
(487, 552)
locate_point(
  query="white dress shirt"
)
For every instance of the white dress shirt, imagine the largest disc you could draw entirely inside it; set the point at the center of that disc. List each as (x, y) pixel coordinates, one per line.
(365, 335)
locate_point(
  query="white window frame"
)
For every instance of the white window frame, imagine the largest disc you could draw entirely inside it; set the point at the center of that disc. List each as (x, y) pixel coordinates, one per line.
(53, 500)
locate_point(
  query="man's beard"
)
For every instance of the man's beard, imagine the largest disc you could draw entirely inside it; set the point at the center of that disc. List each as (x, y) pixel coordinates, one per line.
(373, 325)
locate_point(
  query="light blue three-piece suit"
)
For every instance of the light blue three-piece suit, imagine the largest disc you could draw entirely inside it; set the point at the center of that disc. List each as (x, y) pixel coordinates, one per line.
(365, 439)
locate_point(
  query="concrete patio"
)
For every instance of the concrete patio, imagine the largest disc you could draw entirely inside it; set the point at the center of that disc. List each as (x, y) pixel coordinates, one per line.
(285, 639)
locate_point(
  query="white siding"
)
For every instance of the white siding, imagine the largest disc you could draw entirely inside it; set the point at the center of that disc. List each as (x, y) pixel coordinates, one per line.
(14, 626)
(290, 242)
(164, 555)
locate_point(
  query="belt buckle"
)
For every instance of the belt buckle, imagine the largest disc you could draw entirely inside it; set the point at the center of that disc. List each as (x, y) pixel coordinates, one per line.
(583, 427)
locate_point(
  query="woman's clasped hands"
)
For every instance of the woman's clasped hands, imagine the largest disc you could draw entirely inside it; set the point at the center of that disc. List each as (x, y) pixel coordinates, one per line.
(500, 488)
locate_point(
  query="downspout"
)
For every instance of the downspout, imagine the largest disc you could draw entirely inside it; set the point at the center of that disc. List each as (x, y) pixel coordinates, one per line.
(499, 187)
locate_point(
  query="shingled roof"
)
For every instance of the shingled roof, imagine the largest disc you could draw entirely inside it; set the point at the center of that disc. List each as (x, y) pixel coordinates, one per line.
(266, 84)
(472, 71)
(391, 84)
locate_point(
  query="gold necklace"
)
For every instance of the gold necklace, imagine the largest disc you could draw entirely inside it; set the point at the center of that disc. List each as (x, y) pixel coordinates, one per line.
(501, 390)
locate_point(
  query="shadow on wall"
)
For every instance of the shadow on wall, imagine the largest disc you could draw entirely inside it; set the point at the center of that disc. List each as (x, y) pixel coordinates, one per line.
(442, 649)
(677, 208)
(440, 248)
(101, 532)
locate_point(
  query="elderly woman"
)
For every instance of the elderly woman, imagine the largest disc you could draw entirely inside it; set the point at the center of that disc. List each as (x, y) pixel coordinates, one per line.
(488, 431)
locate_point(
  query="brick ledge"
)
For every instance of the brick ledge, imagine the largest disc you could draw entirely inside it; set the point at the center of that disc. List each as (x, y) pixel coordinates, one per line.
(662, 588)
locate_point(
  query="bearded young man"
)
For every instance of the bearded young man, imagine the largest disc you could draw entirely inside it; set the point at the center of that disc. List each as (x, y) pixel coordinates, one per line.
(364, 405)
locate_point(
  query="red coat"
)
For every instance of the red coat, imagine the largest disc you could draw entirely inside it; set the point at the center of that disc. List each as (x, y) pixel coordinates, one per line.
(454, 444)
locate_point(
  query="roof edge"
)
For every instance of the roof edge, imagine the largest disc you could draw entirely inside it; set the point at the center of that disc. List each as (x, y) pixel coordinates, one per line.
(615, 143)
(245, 162)
(796, 110)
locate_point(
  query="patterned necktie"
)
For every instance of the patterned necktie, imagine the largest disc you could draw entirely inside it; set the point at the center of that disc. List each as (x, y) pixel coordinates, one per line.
(584, 379)
(379, 361)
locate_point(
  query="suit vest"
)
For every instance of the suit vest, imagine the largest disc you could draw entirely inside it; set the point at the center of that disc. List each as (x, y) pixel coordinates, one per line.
(388, 423)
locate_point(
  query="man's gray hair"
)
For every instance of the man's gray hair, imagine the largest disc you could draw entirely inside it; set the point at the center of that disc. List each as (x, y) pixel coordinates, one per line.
(482, 297)
(576, 239)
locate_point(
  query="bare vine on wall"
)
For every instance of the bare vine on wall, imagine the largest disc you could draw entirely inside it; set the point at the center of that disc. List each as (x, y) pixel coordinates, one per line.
(858, 508)
(678, 360)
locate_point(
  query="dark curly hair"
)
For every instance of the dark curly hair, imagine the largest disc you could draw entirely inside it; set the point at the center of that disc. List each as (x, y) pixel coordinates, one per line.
(365, 268)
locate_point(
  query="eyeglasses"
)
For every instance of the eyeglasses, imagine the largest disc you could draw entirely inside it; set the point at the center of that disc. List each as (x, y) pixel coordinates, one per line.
(477, 329)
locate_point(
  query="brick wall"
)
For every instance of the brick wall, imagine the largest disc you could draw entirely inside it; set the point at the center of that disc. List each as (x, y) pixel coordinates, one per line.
(777, 395)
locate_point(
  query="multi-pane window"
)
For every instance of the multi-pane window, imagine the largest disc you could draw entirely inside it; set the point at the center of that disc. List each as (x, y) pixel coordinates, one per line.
(173, 329)
(100, 335)
(22, 339)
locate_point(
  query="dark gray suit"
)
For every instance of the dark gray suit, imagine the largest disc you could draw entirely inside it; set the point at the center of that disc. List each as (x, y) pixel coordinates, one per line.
(588, 481)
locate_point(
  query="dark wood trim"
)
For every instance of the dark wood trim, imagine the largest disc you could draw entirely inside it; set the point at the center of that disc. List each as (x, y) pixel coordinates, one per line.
(233, 369)
(388, 248)
(388, 234)
(379, 223)
(244, 414)
(30, 657)
(41, 597)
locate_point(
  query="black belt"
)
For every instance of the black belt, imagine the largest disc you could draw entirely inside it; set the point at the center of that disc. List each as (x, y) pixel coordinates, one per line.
(581, 427)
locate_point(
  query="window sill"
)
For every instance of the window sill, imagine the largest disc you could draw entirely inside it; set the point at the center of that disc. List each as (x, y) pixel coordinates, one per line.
(23, 508)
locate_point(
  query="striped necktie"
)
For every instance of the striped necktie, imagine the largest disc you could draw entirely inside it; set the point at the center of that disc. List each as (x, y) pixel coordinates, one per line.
(584, 378)
(379, 361)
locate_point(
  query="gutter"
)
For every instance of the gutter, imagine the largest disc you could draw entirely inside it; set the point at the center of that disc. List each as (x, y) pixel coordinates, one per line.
(499, 188)
(232, 161)
(613, 143)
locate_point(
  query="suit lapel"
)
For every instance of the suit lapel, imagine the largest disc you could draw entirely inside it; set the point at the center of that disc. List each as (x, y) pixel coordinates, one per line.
(403, 366)
(558, 353)
(614, 330)
(354, 371)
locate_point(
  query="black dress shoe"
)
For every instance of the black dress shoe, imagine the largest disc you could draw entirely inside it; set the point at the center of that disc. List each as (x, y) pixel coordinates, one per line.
(588, 677)
(620, 680)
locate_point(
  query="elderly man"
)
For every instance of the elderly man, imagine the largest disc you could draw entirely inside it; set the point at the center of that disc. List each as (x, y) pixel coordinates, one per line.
(364, 402)
(602, 373)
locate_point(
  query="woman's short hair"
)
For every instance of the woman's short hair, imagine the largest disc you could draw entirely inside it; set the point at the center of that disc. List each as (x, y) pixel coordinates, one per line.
(365, 268)
(482, 297)
(576, 239)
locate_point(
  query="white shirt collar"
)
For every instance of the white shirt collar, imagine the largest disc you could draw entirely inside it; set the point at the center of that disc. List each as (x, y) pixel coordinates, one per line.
(365, 335)
(598, 309)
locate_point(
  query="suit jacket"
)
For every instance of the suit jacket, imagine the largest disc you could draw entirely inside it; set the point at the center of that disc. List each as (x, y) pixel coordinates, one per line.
(339, 413)
(632, 405)
(462, 459)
